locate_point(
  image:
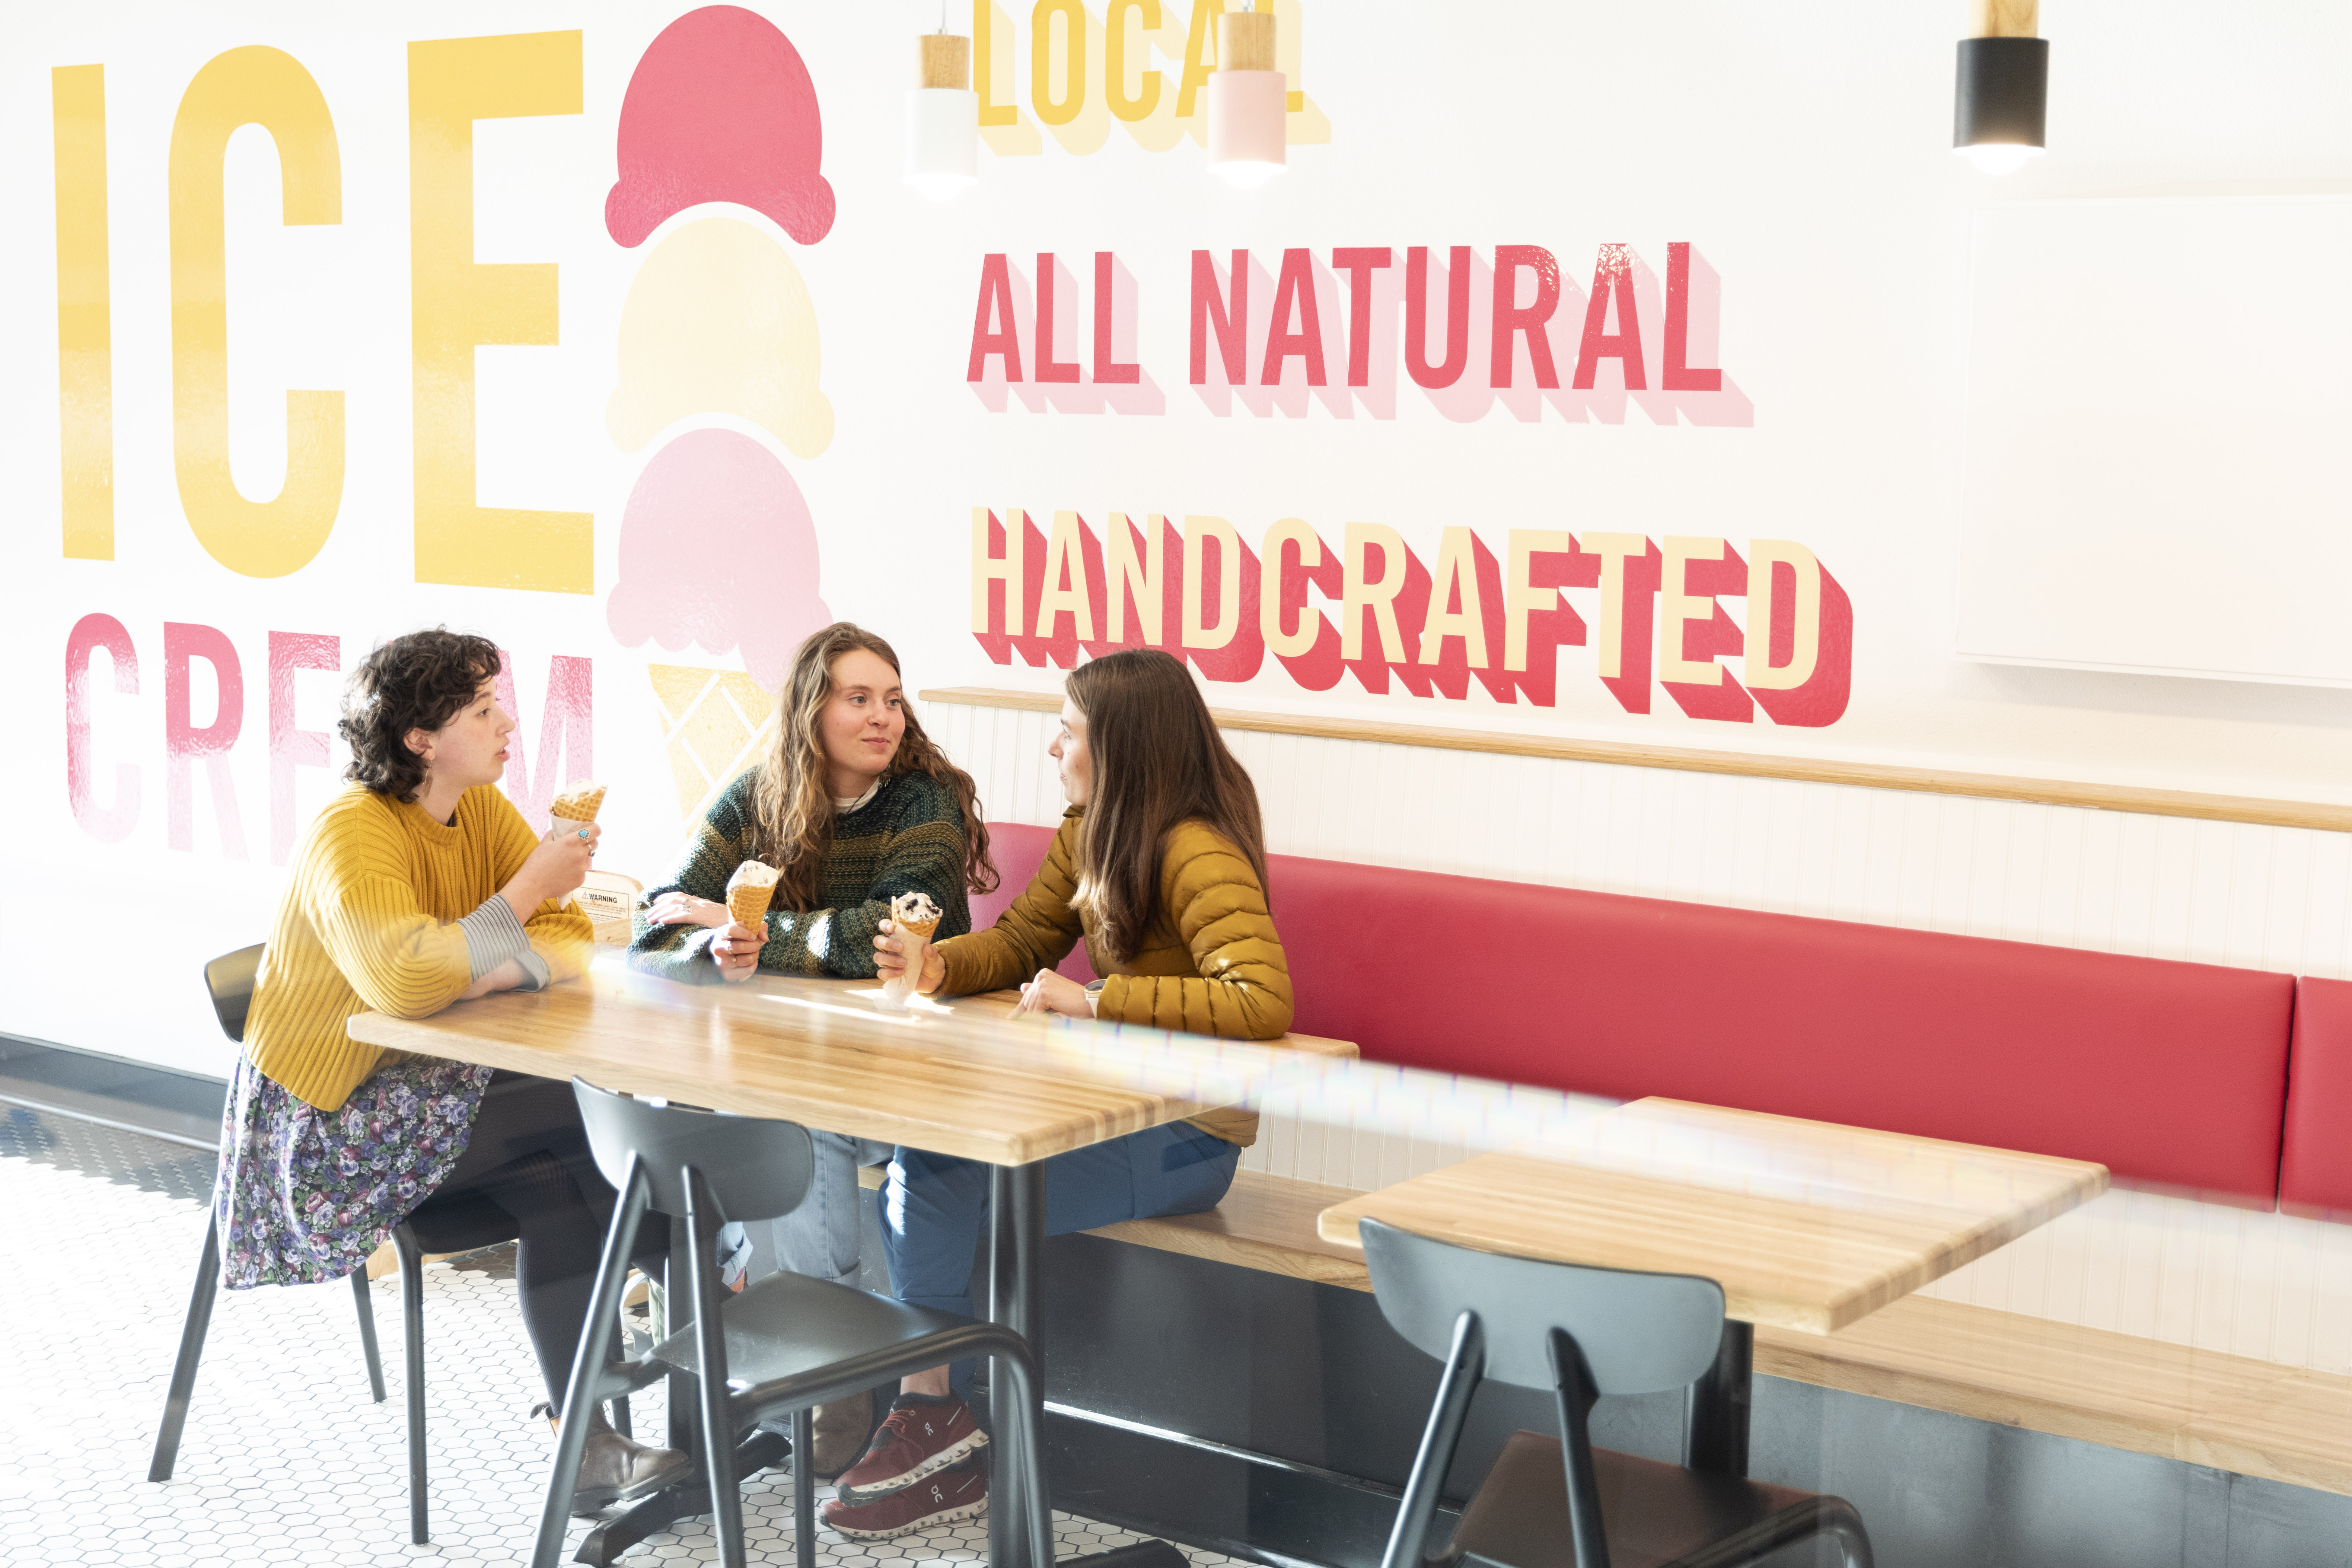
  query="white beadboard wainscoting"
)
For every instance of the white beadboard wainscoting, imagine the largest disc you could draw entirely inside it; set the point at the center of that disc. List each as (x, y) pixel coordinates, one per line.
(2163, 886)
(2265, 1285)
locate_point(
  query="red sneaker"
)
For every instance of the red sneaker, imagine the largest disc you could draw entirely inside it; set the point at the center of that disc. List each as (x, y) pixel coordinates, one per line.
(918, 1438)
(948, 1495)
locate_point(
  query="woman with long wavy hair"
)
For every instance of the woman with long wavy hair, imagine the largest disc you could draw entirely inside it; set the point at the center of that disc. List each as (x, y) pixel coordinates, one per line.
(852, 806)
(1160, 866)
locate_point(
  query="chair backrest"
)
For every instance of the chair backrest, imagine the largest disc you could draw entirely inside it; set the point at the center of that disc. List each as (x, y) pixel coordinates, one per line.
(1639, 1333)
(229, 979)
(755, 1168)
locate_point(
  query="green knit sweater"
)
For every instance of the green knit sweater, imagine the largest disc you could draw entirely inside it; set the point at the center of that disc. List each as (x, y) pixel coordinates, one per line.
(907, 838)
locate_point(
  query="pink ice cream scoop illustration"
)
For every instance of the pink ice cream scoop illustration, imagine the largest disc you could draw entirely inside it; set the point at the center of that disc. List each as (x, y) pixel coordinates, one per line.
(717, 551)
(720, 109)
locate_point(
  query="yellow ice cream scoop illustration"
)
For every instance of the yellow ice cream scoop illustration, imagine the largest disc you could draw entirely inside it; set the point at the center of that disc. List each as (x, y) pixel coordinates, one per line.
(719, 321)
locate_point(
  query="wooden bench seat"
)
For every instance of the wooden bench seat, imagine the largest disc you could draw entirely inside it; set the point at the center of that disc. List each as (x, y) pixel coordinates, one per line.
(2235, 1412)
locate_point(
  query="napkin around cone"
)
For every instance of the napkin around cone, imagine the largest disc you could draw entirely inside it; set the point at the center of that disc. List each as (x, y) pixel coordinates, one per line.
(898, 992)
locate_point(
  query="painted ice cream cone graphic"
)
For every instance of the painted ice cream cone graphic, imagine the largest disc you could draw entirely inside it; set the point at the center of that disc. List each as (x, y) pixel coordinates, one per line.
(718, 549)
(724, 488)
(748, 893)
(715, 723)
(575, 804)
(916, 918)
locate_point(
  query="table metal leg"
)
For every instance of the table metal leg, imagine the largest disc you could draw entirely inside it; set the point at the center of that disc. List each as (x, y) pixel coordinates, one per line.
(1016, 1237)
(1716, 1409)
(1025, 1194)
(1016, 1257)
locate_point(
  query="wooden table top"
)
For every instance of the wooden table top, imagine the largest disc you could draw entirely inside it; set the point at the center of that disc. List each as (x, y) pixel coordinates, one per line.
(964, 1078)
(1806, 1224)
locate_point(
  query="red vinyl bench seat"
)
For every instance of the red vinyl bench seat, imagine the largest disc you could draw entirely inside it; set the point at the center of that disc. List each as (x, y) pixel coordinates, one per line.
(2173, 1074)
(2315, 1172)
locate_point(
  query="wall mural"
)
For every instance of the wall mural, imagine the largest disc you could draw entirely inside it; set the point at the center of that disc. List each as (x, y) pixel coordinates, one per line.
(539, 325)
(720, 110)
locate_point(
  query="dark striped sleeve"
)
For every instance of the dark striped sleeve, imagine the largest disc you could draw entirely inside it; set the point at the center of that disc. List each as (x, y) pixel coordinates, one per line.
(713, 850)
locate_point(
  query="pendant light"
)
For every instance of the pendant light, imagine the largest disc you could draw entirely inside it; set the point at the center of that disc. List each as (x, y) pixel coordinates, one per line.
(2003, 89)
(1249, 102)
(943, 118)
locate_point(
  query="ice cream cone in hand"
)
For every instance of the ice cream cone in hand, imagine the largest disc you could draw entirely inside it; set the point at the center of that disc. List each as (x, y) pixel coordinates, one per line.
(914, 917)
(748, 893)
(575, 804)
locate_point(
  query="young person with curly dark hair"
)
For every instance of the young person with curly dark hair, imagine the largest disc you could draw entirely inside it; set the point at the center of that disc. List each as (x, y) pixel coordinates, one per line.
(854, 805)
(418, 887)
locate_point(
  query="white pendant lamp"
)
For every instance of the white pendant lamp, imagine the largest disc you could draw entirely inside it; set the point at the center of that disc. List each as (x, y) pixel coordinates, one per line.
(943, 120)
(1248, 101)
(2002, 93)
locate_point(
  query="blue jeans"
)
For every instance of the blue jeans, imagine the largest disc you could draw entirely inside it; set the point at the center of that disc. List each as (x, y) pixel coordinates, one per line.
(819, 1237)
(935, 1206)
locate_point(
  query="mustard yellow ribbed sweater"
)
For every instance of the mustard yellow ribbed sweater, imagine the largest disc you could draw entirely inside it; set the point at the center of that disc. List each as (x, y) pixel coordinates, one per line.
(368, 921)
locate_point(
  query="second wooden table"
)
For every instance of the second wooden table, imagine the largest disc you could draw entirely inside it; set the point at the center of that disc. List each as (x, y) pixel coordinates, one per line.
(1806, 1224)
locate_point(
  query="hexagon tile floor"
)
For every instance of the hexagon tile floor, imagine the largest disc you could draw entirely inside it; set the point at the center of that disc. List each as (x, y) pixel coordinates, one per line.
(285, 1458)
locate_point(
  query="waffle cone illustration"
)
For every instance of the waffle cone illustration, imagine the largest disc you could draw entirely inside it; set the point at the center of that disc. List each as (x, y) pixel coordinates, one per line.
(916, 917)
(715, 724)
(576, 803)
(748, 893)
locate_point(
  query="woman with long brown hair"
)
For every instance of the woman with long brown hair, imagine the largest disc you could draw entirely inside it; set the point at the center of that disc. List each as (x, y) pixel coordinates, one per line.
(1159, 865)
(852, 806)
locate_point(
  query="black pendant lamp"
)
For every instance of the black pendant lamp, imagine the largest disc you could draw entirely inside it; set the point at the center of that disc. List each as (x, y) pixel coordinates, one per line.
(2003, 91)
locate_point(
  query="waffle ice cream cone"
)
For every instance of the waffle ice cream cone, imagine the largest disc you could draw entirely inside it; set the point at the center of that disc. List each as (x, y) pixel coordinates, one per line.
(915, 917)
(576, 803)
(748, 893)
(715, 723)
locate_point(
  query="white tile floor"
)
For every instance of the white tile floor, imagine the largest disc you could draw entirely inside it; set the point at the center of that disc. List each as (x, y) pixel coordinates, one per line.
(285, 1458)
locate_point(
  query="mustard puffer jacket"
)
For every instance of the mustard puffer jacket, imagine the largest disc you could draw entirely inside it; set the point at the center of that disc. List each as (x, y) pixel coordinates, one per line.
(1211, 963)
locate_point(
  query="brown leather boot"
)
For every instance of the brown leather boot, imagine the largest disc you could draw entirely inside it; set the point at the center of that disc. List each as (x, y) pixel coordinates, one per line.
(613, 1468)
(841, 1430)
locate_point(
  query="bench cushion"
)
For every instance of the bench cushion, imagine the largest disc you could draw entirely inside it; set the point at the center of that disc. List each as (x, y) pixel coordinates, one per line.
(1018, 850)
(2172, 1075)
(2315, 1173)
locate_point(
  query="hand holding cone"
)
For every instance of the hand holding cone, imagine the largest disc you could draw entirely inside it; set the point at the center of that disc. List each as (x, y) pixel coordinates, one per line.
(576, 803)
(915, 917)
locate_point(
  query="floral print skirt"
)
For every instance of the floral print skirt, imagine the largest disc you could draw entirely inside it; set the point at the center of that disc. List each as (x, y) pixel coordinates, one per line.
(305, 1194)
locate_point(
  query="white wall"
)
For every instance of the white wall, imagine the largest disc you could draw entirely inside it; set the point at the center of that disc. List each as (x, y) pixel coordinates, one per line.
(1808, 167)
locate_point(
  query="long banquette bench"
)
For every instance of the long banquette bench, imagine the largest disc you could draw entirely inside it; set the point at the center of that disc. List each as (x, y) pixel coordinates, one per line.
(2223, 1084)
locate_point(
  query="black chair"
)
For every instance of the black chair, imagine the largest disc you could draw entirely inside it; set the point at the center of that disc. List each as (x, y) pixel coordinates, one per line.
(784, 1344)
(1580, 1332)
(460, 1223)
